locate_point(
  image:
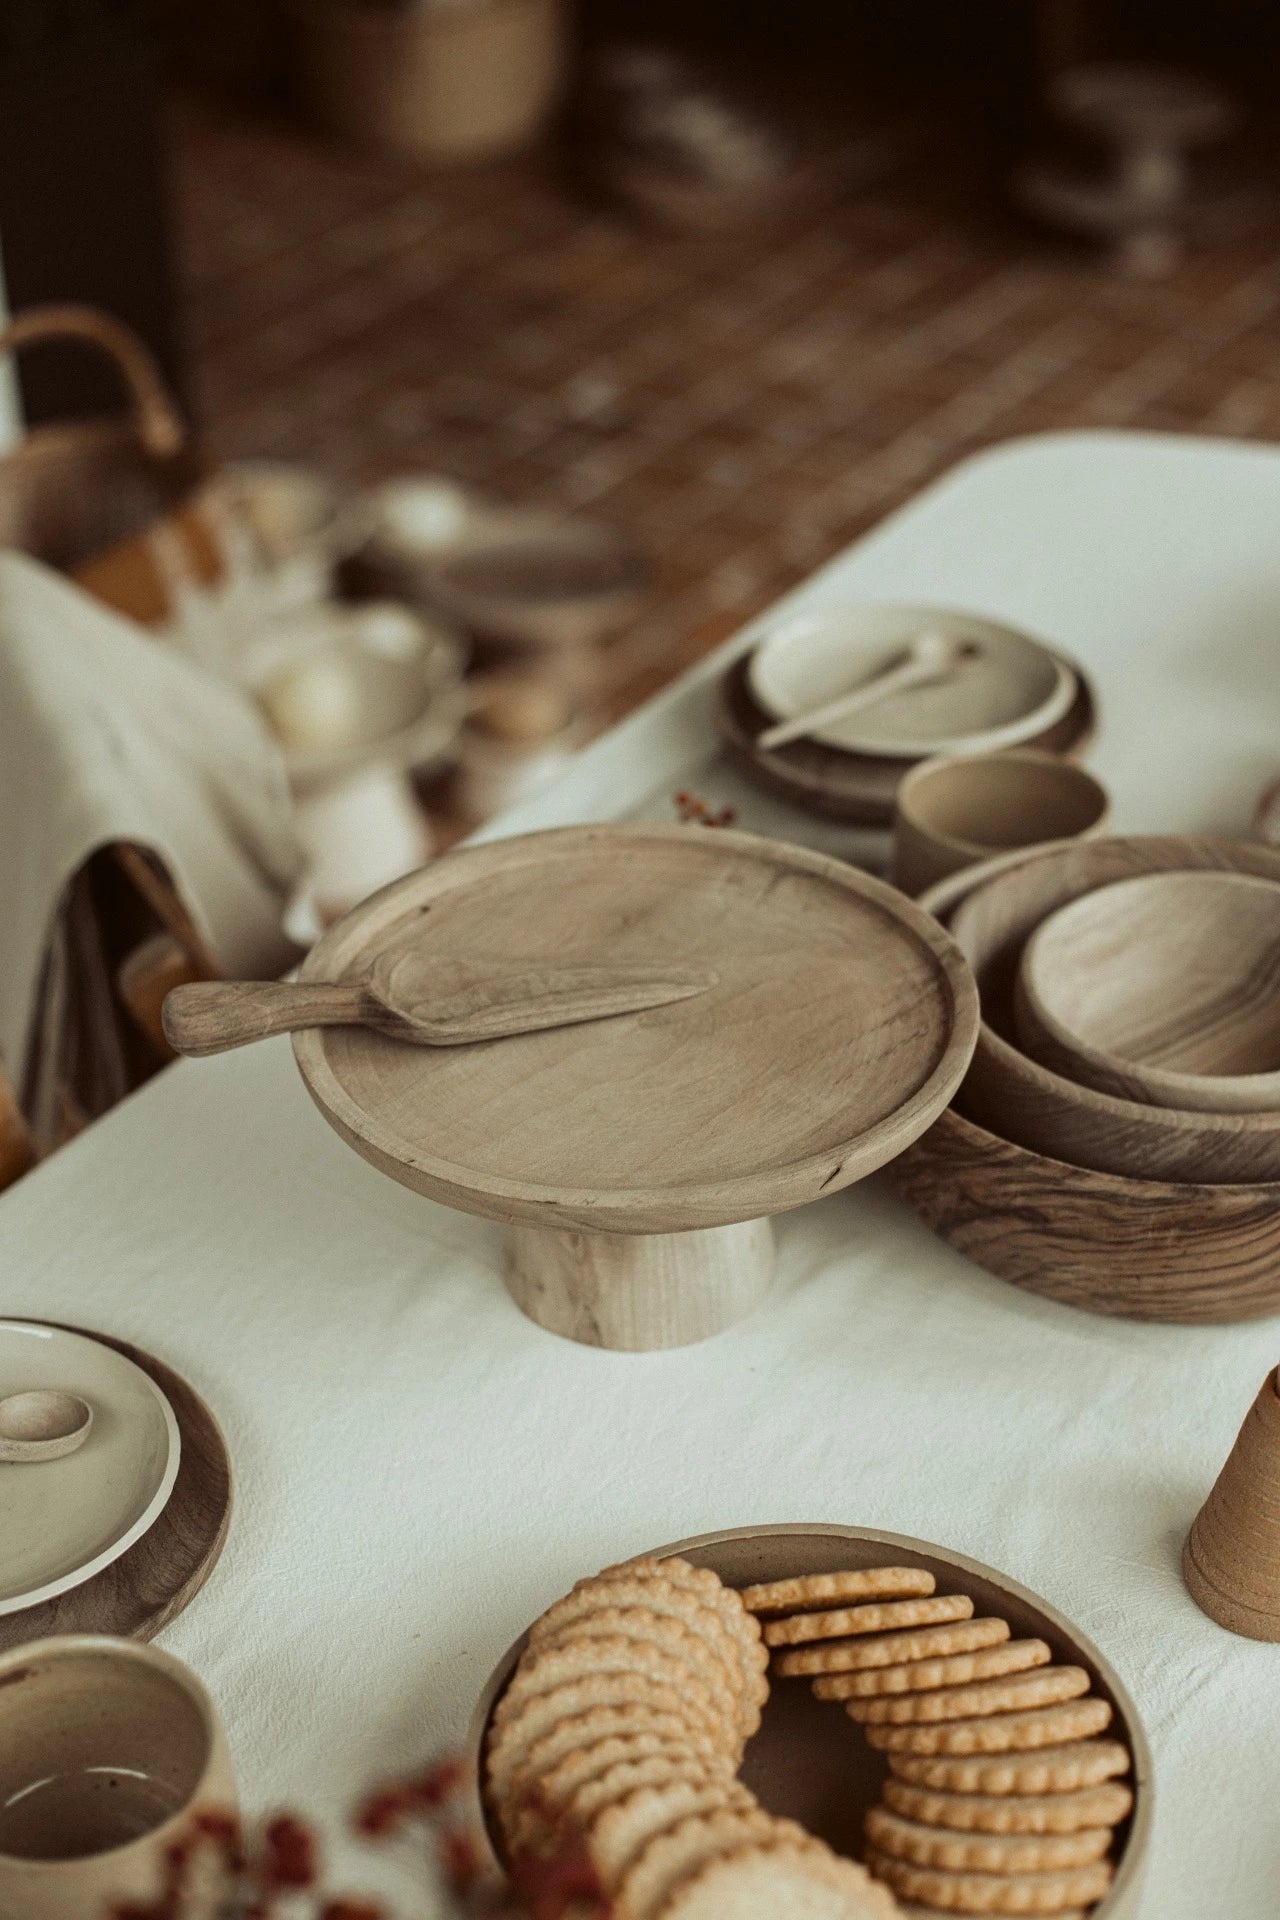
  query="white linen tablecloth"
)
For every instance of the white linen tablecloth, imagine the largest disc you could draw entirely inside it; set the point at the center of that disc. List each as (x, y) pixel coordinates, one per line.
(420, 1469)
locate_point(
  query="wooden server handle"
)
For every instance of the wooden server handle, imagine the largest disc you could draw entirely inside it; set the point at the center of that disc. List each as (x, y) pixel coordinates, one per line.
(212, 1016)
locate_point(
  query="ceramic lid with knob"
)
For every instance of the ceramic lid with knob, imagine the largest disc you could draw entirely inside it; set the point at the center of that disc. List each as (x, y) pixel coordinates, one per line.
(842, 1021)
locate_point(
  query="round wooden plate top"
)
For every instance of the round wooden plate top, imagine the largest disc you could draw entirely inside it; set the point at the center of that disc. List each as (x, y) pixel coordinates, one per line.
(842, 1023)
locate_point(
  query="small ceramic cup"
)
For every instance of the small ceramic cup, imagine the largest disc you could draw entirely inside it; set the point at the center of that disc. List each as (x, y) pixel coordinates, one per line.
(950, 812)
(107, 1749)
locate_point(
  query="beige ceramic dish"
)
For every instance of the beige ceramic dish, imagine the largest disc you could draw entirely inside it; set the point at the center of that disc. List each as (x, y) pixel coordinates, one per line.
(951, 812)
(992, 910)
(63, 1521)
(1013, 688)
(539, 580)
(1164, 989)
(809, 1761)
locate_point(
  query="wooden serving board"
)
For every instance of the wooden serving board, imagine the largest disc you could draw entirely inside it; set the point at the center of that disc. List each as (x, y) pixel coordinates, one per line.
(842, 1021)
(161, 1574)
(853, 787)
(810, 1762)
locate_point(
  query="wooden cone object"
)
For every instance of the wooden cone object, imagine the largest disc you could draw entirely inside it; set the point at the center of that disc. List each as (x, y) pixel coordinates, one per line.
(1231, 1560)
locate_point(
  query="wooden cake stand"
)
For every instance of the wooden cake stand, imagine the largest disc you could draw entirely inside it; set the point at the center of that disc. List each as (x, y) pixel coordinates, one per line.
(637, 1159)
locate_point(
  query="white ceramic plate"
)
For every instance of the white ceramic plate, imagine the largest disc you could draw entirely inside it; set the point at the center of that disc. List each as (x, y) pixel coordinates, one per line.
(62, 1521)
(1014, 689)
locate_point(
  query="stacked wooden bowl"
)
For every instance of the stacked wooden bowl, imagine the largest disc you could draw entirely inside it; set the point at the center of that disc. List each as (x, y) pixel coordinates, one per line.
(1116, 1141)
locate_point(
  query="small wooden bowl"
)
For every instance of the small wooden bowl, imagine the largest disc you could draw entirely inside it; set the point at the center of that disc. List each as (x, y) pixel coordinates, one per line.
(992, 911)
(540, 580)
(809, 1761)
(1163, 989)
(1139, 1249)
(950, 813)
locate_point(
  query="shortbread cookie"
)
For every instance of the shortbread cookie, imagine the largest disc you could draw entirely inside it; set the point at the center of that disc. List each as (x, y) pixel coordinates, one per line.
(633, 1729)
(1100, 1806)
(811, 1590)
(559, 1780)
(893, 1649)
(510, 1742)
(997, 1732)
(621, 1831)
(697, 1580)
(923, 1676)
(673, 1857)
(1015, 1693)
(1015, 1893)
(546, 1668)
(663, 1597)
(1050, 1769)
(878, 1617)
(779, 1882)
(927, 1846)
(536, 1810)
(670, 1636)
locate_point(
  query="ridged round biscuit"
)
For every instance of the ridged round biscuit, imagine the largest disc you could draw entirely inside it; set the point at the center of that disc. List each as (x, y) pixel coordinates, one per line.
(1015, 1693)
(628, 1776)
(545, 1668)
(928, 1846)
(892, 1649)
(661, 1630)
(778, 1882)
(560, 1782)
(1051, 1768)
(911, 1911)
(878, 1617)
(634, 1728)
(622, 1831)
(673, 1857)
(665, 1599)
(810, 1590)
(997, 1732)
(1100, 1806)
(1014, 1893)
(509, 1743)
(698, 1580)
(923, 1676)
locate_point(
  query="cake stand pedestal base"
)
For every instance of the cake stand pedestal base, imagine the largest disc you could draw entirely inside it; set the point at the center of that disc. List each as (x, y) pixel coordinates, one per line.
(638, 1291)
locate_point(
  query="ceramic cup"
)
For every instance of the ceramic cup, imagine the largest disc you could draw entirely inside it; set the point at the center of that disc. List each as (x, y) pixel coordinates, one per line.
(950, 812)
(107, 1747)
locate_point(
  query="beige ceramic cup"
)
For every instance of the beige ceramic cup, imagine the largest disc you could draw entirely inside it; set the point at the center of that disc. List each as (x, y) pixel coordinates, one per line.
(107, 1748)
(951, 812)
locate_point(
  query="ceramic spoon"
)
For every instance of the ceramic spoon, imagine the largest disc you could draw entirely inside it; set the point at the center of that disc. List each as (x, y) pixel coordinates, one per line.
(930, 656)
(434, 1003)
(42, 1425)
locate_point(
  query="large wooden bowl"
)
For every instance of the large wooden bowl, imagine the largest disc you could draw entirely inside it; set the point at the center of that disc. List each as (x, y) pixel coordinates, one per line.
(1139, 1249)
(809, 1761)
(992, 911)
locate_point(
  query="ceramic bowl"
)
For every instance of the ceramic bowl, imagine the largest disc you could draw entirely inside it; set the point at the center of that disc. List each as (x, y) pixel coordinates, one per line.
(809, 1761)
(992, 910)
(951, 812)
(539, 580)
(1016, 686)
(1164, 988)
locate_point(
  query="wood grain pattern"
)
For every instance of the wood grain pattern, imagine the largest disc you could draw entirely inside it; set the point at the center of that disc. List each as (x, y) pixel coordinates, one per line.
(1141, 1249)
(1021, 1100)
(804, 1744)
(1164, 988)
(638, 1292)
(161, 1574)
(842, 1019)
(856, 788)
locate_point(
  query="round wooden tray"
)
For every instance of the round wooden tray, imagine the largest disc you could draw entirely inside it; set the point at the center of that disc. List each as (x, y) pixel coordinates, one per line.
(842, 1022)
(809, 1761)
(855, 788)
(151, 1584)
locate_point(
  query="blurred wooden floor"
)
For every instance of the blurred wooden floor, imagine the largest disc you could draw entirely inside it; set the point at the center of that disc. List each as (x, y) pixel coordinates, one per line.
(744, 406)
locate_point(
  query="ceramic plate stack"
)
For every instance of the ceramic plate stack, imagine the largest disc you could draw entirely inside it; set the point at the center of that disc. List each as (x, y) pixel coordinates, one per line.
(1116, 1142)
(1015, 692)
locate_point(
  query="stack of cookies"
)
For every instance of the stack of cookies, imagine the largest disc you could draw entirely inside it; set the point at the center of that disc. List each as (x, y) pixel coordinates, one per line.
(1001, 1796)
(619, 1737)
